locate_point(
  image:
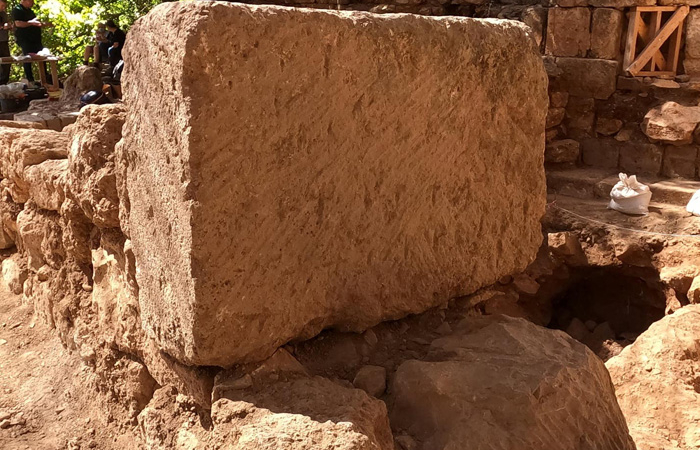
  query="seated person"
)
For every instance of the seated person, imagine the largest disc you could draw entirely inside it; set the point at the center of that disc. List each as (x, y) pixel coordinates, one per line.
(98, 51)
(117, 39)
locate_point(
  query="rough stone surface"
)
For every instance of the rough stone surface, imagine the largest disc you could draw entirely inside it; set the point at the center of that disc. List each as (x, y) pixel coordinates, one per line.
(301, 413)
(555, 117)
(371, 379)
(535, 17)
(692, 35)
(584, 77)
(568, 31)
(606, 32)
(563, 151)
(680, 161)
(92, 162)
(639, 158)
(603, 153)
(47, 183)
(40, 236)
(257, 217)
(24, 148)
(14, 273)
(558, 99)
(506, 383)
(607, 126)
(656, 382)
(671, 122)
(694, 291)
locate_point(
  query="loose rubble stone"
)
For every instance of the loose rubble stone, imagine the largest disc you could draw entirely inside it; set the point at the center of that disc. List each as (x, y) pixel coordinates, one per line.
(564, 151)
(558, 99)
(568, 31)
(202, 203)
(580, 115)
(371, 379)
(680, 161)
(655, 369)
(554, 117)
(671, 122)
(525, 387)
(585, 77)
(606, 32)
(607, 126)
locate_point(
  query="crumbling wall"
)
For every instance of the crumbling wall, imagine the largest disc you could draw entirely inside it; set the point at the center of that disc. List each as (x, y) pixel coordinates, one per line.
(342, 169)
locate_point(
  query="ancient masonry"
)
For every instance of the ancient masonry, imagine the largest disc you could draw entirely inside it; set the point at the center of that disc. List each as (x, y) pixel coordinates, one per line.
(328, 176)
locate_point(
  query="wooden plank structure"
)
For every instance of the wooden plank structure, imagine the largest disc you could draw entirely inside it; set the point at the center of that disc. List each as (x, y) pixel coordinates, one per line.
(53, 66)
(656, 30)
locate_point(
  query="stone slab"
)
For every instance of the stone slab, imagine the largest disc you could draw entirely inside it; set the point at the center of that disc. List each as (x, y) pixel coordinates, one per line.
(585, 77)
(606, 32)
(568, 31)
(341, 169)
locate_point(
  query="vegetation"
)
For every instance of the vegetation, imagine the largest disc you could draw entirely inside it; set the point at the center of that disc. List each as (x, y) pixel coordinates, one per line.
(75, 23)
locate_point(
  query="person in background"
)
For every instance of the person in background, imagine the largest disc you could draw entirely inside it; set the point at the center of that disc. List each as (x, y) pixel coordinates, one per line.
(117, 39)
(98, 51)
(5, 26)
(28, 33)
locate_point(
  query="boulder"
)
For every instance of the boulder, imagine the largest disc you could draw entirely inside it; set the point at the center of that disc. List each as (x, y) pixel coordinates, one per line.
(585, 77)
(41, 237)
(47, 183)
(260, 214)
(671, 122)
(607, 126)
(568, 31)
(371, 379)
(92, 177)
(22, 148)
(656, 382)
(606, 32)
(506, 383)
(293, 414)
(83, 79)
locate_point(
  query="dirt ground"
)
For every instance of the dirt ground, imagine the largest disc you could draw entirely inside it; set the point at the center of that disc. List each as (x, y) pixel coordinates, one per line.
(48, 398)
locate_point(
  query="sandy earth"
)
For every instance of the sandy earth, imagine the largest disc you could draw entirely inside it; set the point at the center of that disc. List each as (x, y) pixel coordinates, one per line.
(49, 395)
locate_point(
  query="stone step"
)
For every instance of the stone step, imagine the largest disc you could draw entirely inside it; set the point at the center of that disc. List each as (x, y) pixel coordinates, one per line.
(597, 183)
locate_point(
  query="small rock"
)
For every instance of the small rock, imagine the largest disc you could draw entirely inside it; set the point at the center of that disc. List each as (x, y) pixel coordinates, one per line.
(420, 341)
(5, 424)
(590, 324)
(371, 379)
(405, 442)
(577, 330)
(370, 338)
(607, 127)
(665, 84)
(444, 328)
(604, 332)
(4, 415)
(694, 291)
(87, 288)
(507, 279)
(564, 244)
(624, 135)
(18, 324)
(526, 285)
(3, 341)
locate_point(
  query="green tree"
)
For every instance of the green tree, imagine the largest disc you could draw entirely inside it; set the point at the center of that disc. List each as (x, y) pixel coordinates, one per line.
(75, 23)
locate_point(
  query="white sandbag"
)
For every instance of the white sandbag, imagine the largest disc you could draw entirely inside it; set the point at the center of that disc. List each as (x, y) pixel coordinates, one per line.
(694, 204)
(629, 196)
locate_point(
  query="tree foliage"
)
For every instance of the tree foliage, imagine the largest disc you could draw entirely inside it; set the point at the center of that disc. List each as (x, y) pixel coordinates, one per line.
(76, 20)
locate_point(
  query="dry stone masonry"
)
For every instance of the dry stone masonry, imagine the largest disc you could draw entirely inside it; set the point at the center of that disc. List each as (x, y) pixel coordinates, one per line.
(262, 210)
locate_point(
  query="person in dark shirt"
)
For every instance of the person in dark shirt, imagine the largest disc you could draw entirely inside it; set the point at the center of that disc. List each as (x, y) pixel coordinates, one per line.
(28, 32)
(117, 38)
(5, 25)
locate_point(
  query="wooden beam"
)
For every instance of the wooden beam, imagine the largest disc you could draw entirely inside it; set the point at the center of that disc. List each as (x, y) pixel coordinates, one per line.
(647, 36)
(663, 34)
(674, 48)
(655, 8)
(632, 32)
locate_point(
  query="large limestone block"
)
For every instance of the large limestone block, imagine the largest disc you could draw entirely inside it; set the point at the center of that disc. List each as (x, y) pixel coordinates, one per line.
(692, 35)
(585, 77)
(504, 383)
(92, 162)
(568, 31)
(606, 32)
(338, 170)
(656, 382)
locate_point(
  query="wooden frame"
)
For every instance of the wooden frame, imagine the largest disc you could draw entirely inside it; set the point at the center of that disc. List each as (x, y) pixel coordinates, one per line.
(661, 40)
